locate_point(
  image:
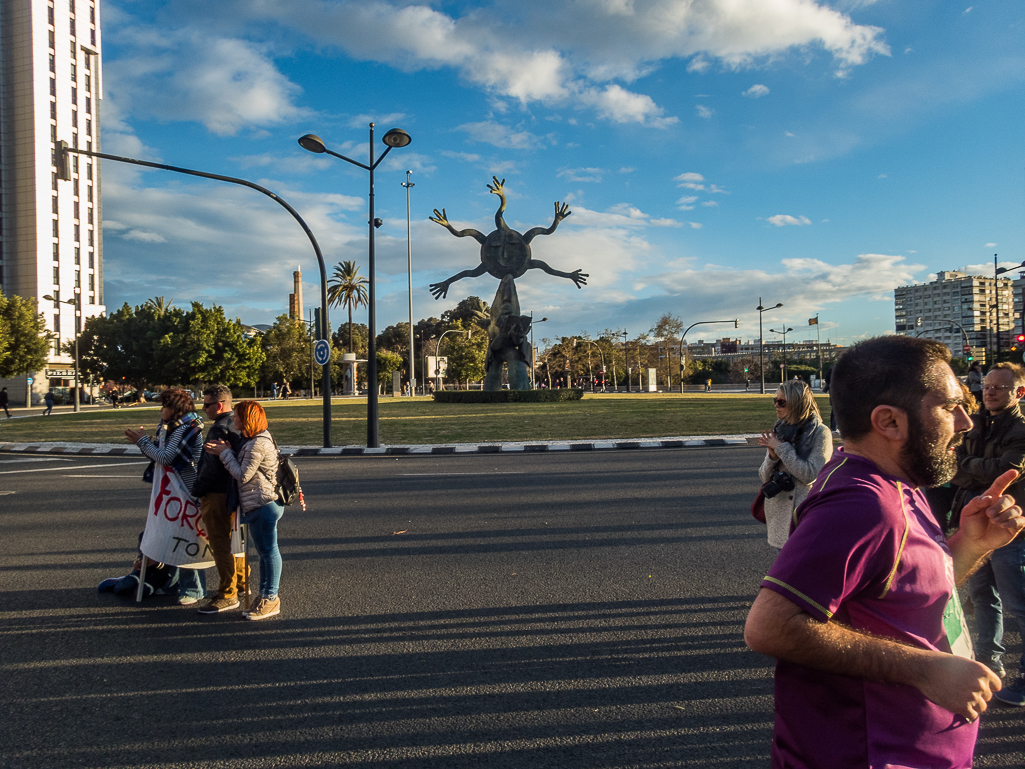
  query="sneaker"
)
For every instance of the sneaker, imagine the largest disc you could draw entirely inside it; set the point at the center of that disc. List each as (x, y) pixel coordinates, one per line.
(995, 665)
(188, 600)
(216, 605)
(1013, 694)
(264, 608)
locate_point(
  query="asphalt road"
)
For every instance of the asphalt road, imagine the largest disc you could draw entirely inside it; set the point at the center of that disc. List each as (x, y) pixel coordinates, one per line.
(580, 609)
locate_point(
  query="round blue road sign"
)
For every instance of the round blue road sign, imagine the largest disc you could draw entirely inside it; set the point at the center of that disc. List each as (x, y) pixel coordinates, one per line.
(321, 352)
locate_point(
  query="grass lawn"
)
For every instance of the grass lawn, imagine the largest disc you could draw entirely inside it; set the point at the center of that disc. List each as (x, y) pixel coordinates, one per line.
(421, 420)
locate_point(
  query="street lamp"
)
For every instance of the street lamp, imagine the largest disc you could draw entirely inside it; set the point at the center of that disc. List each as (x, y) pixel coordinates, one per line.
(77, 302)
(64, 172)
(409, 265)
(437, 353)
(533, 379)
(735, 322)
(784, 332)
(761, 342)
(996, 295)
(396, 137)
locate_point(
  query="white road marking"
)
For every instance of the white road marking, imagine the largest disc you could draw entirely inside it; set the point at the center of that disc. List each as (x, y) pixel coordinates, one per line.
(435, 475)
(34, 459)
(82, 467)
(137, 477)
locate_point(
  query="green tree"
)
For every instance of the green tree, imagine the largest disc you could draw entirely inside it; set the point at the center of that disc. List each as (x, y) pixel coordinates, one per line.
(204, 346)
(346, 287)
(667, 332)
(159, 304)
(358, 333)
(472, 313)
(287, 348)
(123, 346)
(395, 338)
(387, 363)
(26, 342)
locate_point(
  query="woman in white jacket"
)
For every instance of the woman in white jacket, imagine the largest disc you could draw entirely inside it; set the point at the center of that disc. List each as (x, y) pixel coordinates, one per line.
(255, 468)
(799, 445)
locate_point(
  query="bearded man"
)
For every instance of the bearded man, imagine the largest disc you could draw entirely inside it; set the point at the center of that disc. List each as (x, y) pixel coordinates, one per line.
(996, 444)
(860, 609)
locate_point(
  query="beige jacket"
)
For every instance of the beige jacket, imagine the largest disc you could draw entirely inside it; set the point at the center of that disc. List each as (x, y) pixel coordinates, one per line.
(256, 470)
(803, 462)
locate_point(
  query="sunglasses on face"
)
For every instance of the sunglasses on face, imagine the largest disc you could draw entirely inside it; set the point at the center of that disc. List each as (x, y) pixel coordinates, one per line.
(208, 405)
(779, 402)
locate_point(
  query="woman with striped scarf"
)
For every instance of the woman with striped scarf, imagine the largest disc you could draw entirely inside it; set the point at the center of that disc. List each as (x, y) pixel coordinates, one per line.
(178, 445)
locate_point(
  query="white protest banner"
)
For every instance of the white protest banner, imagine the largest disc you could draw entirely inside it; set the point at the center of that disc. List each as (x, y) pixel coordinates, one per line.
(174, 529)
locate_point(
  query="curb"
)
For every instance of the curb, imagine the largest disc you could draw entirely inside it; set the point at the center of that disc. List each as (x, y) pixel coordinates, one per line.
(108, 450)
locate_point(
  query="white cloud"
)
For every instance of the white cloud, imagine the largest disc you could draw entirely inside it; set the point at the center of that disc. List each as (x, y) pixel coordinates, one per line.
(500, 136)
(581, 174)
(468, 157)
(991, 245)
(690, 180)
(782, 220)
(704, 112)
(224, 83)
(686, 203)
(695, 225)
(564, 51)
(665, 223)
(627, 170)
(709, 203)
(756, 91)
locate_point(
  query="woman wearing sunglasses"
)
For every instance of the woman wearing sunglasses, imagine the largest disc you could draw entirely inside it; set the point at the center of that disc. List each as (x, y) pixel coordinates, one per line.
(796, 449)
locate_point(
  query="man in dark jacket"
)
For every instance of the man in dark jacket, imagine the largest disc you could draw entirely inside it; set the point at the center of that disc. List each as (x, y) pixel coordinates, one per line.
(212, 484)
(996, 444)
(4, 401)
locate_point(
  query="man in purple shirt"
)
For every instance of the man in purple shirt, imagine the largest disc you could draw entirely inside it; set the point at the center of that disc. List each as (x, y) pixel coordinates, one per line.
(860, 608)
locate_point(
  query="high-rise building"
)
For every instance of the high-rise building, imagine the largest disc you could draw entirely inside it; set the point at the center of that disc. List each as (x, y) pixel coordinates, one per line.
(958, 309)
(51, 240)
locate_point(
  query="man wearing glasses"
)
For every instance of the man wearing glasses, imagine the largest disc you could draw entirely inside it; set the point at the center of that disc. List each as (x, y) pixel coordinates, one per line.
(995, 444)
(211, 489)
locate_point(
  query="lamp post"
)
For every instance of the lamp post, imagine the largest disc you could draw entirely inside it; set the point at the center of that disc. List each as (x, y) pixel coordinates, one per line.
(784, 332)
(997, 271)
(63, 172)
(600, 355)
(409, 266)
(396, 137)
(761, 342)
(735, 322)
(77, 302)
(437, 353)
(533, 379)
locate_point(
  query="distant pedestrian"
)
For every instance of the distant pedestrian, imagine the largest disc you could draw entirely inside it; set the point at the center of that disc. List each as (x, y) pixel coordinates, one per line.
(48, 400)
(274, 391)
(4, 400)
(975, 382)
(708, 385)
(255, 468)
(286, 390)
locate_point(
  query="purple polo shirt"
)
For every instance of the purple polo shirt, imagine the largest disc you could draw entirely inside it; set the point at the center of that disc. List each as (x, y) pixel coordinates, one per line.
(867, 553)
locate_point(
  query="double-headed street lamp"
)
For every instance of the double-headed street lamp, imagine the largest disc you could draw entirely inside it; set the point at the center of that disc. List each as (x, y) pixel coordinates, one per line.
(761, 342)
(61, 152)
(396, 137)
(77, 302)
(784, 332)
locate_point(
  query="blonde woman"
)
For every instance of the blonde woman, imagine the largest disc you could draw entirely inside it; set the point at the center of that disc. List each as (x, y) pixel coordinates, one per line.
(255, 468)
(796, 449)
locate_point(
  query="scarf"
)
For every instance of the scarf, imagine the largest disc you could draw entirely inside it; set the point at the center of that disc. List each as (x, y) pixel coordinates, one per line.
(193, 423)
(791, 433)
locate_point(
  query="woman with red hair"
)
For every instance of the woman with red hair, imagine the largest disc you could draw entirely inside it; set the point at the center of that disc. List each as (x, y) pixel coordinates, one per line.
(255, 468)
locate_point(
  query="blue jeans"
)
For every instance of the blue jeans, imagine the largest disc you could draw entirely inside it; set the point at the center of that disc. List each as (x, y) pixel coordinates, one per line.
(191, 583)
(998, 585)
(263, 528)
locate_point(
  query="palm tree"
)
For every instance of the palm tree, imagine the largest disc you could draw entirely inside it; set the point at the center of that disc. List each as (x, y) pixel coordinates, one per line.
(159, 304)
(348, 288)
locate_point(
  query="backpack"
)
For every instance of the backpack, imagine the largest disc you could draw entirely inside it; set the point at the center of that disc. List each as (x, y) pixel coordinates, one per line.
(287, 481)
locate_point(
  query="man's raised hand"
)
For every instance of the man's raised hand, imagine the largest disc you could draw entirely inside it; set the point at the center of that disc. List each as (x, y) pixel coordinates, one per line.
(993, 519)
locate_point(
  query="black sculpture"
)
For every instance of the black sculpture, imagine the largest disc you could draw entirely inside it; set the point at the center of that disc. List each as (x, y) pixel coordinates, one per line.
(505, 254)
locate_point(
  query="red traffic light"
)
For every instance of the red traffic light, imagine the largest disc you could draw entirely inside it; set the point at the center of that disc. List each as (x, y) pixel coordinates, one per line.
(1020, 338)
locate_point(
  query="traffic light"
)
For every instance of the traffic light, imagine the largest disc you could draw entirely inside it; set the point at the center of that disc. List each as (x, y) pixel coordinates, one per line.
(745, 369)
(1020, 338)
(969, 358)
(60, 160)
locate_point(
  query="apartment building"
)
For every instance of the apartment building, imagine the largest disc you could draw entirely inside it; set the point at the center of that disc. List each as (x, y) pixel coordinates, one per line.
(51, 240)
(959, 309)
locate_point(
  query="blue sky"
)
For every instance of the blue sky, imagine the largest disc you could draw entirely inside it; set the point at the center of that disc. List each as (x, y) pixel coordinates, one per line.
(712, 151)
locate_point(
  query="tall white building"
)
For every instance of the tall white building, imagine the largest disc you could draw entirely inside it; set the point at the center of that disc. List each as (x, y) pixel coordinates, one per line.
(51, 240)
(957, 305)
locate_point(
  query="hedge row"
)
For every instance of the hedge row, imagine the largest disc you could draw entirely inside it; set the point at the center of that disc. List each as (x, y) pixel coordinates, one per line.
(508, 396)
